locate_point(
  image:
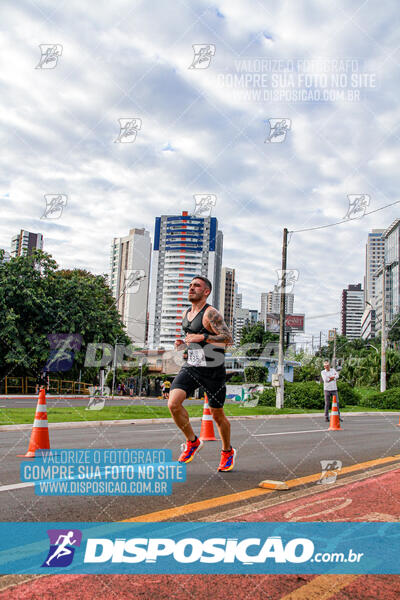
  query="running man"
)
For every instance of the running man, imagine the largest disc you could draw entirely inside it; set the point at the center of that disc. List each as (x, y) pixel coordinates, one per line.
(207, 336)
(62, 549)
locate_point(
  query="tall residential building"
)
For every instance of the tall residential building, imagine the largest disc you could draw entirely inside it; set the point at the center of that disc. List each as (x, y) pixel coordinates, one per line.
(271, 303)
(227, 295)
(184, 246)
(263, 311)
(254, 316)
(129, 281)
(242, 318)
(238, 300)
(352, 311)
(392, 262)
(391, 238)
(368, 323)
(374, 253)
(24, 242)
(237, 303)
(274, 301)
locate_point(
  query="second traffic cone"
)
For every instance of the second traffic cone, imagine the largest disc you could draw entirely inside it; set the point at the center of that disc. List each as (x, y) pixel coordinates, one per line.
(40, 431)
(334, 425)
(207, 427)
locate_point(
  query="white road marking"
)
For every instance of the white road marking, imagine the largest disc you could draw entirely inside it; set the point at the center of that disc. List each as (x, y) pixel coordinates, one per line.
(289, 432)
(16, 486)
(148, 430)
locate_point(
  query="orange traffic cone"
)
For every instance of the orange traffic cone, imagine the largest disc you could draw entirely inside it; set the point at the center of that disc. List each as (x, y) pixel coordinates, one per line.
(398, 424)
(40, 431)
(334, 425)
(207, 428)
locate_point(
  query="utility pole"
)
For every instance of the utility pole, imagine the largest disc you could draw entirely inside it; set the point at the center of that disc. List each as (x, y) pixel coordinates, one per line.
(383, 335)
(334, 349)
(114, 365)
(280, 391)
(320, 340)
(141, 378)
(312, 344)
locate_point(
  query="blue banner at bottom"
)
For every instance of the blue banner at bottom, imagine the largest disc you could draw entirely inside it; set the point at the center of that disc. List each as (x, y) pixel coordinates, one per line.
(202, 548)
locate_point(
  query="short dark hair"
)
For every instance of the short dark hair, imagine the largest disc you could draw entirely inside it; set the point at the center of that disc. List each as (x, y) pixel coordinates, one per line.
(206, 281)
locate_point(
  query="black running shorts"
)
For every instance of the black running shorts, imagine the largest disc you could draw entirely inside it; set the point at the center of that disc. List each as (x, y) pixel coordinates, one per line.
(212, 380)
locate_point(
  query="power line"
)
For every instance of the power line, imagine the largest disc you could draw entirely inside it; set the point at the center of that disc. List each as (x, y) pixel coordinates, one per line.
(345, 220)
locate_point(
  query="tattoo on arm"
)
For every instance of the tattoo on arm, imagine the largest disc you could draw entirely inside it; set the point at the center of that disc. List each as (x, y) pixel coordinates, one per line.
(218, 325)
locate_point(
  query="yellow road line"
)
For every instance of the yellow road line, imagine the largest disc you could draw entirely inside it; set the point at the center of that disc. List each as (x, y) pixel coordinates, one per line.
(171, 513)
(324, 586)
(185, 509)
(364, 465)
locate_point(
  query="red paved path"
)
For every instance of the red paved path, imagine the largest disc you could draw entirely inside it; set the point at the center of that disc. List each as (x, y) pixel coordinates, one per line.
(375, 499)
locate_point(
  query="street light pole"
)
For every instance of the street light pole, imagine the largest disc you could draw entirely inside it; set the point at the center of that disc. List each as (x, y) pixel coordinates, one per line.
(383, 335)
(280, 390)
(141, 378)
(334, 349)
(114, 361)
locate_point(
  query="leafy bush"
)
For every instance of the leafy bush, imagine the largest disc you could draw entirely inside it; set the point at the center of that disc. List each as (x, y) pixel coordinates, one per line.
(384, 400)
(256, 374)
(304, 394)
(309, 395)
(267, 397)
(394, 380)
(235, 379)
(310, 369)
(348, 396)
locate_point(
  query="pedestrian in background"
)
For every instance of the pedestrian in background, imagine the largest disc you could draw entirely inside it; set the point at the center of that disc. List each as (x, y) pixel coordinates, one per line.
(329, 377)
(42, 381)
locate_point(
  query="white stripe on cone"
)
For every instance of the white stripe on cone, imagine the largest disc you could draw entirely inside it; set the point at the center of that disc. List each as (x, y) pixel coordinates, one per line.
(40, 423)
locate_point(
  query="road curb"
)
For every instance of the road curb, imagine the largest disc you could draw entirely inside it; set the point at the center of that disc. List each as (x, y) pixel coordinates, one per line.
(126, 422)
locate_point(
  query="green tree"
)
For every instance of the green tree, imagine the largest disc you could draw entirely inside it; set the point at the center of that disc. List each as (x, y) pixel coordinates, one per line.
(37, 299)
(256, 334)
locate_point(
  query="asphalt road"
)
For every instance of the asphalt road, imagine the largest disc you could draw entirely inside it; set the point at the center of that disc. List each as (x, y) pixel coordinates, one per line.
(284, 448)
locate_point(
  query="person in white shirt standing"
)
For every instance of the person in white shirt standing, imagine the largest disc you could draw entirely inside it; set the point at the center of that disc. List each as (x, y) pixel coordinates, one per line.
(329, 377)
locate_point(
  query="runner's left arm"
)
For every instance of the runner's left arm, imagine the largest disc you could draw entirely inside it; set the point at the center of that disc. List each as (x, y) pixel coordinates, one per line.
(214, 320)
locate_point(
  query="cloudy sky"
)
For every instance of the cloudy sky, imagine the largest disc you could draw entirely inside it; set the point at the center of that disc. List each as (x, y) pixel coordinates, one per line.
(334, 70)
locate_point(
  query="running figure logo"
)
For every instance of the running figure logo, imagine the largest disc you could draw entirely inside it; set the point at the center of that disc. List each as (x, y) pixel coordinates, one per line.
(49, 56)
(62, 351)
(358, 204)
(203, 54)
(330, 471)
(204, 204)
(55, 204)
(278, 129)
(128, 130)
(286, 280)
(133, 279)
(62, 542)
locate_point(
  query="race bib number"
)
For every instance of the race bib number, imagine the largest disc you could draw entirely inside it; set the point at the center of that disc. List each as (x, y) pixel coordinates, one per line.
(196, 357)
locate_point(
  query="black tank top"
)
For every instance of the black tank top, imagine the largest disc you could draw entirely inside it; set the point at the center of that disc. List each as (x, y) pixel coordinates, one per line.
(214, 356)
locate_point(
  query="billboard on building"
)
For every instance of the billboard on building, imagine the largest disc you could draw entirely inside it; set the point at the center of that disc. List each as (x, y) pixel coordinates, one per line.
(293, 323)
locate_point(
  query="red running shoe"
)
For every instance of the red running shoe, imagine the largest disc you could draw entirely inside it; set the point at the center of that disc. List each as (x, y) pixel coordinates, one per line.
(227, 460)
(189, 449)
